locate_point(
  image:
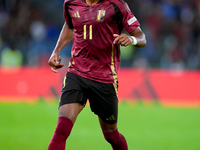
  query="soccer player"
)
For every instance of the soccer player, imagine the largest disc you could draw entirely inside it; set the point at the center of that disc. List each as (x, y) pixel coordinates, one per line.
(95, 27)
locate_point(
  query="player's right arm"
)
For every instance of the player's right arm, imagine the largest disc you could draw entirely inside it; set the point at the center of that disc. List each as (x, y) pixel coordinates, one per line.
(66, 35)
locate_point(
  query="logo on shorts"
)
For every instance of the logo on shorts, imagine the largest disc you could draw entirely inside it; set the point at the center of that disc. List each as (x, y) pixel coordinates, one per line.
(111, 118)
(101, 15)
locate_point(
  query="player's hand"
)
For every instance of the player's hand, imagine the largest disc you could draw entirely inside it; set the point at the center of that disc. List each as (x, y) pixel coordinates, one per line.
(55, 62)
(123, 39)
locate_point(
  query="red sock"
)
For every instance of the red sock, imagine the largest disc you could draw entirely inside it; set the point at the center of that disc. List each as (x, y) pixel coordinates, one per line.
(117, 140)
(62, 131)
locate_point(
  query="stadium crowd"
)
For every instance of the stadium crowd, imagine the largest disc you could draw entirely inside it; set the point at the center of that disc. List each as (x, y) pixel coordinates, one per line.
(172, 27)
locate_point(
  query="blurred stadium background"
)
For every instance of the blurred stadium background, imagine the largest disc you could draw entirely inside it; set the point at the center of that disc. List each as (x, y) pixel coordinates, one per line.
(158, 84)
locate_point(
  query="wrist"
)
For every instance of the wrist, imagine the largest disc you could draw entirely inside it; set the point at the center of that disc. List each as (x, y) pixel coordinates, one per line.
(56, 51)
(133, 40)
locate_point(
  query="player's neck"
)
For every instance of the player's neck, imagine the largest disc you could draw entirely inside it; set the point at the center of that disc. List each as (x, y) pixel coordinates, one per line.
(91, 2)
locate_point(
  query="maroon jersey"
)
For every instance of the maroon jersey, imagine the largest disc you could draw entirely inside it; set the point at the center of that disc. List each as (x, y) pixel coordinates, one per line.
(94, 56)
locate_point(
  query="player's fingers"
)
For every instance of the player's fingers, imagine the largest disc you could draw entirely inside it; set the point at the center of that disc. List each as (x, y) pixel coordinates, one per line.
(55, 61)
(51, 63)
(116, 38)
(121, 39)
(54, 70)
(126, 42)
(54, 64)
(115, 35)
(58, 66)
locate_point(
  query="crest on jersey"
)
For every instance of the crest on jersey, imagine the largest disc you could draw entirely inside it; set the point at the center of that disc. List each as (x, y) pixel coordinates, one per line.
(101, 15)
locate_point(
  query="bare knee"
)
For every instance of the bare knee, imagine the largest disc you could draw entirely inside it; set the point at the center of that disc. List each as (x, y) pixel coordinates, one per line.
(70, 111)
(106, 128)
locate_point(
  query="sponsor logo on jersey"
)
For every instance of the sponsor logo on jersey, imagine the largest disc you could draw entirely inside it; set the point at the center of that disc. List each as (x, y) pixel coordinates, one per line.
(76, 14)
(132, 20)
(101, 15)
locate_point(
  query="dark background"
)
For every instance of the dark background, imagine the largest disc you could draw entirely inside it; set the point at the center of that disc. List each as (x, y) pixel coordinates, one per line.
(171, 27)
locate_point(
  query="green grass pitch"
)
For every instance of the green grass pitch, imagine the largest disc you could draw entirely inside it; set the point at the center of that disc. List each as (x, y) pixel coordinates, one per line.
(146, 127)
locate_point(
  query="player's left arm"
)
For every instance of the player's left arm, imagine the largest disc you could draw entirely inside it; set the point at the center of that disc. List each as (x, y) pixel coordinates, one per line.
(136, 37)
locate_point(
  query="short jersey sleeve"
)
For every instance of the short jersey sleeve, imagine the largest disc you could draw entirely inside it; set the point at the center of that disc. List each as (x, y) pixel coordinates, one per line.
(130, 22)
(67, 17)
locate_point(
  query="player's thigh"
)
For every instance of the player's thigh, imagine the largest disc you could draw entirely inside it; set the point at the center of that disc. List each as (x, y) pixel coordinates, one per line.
(72, 90)
(104, 102)
(73, 98)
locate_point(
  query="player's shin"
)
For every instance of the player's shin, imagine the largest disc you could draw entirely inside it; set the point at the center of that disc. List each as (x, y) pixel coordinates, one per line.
(117, 140)
(62, 131)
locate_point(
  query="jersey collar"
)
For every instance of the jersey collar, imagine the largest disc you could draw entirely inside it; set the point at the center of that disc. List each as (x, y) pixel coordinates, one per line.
(96, 3)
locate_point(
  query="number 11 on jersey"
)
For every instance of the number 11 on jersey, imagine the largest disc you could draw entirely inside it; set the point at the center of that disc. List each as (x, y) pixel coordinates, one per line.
(85, 32)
